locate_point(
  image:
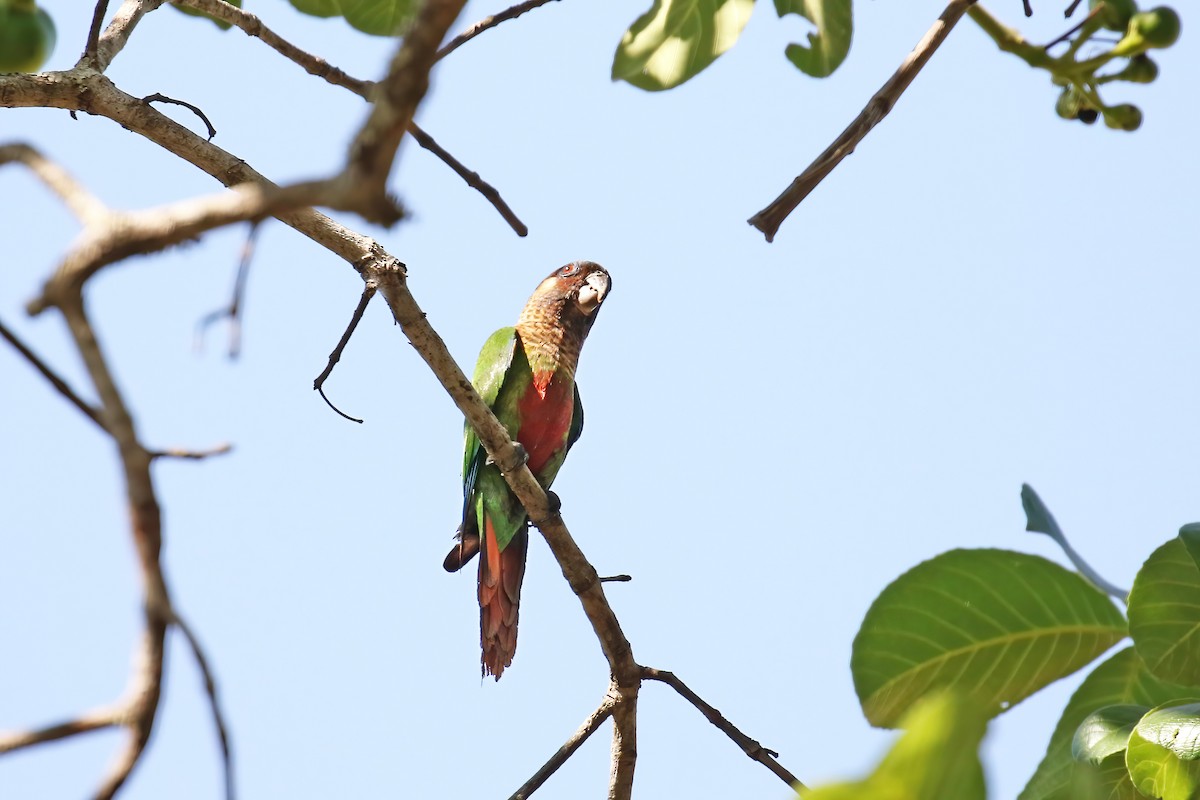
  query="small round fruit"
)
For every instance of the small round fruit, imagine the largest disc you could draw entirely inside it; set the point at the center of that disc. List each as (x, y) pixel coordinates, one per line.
(1067, 105)
(26, 36)
(1141, 69)
(1088, 116)
(1116, 13)
(1125, 117)
(1158, 27)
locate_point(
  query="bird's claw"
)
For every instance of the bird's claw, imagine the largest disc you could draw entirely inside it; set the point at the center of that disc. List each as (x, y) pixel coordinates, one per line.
(553, 502)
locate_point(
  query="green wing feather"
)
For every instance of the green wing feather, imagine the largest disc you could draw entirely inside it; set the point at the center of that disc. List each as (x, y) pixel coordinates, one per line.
(490, 370)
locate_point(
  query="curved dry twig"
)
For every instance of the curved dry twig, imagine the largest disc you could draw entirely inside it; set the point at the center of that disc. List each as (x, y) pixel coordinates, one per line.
(487, 23)
(336, 356)
(770, 218)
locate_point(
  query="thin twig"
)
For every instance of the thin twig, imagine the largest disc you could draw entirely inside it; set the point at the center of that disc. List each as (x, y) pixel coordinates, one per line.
(486, 23)
(472, 178)
(368, 292)
(615, 578)
(162, 98)
(573, 743)
(210, 688)
(749, 746)
(192, 455)
(233, 312)
(94, 721)
(1095, 12)
(93, 40)
(58, 383)
(770, 218)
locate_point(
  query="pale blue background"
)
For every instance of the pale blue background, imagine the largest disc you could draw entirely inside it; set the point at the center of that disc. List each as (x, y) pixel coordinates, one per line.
(981, 295)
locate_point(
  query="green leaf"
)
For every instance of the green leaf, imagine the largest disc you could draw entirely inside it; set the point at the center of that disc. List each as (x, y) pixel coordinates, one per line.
(1105, 731)
(938, 756)
(223, 25)
(1163, 757)
(676, 39)
(318, 8)
(1164, 611)
(829, 44)
(376, 17)
(994, 624)
(1108, 780)
(1190, 536)
(1122, 679)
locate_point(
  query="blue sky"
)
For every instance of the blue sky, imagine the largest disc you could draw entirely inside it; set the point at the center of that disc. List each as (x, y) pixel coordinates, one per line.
(982, 295)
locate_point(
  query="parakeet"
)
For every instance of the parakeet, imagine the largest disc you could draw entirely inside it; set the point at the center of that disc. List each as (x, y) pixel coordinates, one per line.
(526, 374)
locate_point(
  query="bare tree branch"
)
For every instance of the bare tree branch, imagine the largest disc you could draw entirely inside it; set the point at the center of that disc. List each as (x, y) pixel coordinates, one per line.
(113, 40)
(472, 178)
(253, 26)
(93, 40)
(78, 200)
(50, 375)
(233, 312)
(624, 742)
(395, 100)
(487, 23)
(749, 746)
(368, 292)
(573, 743)
(770, 218)
(93, 721)
(193, 455)
(162, 98)
(210, 689)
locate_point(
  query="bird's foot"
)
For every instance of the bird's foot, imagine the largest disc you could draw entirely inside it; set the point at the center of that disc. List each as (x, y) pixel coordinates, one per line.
(554, 502)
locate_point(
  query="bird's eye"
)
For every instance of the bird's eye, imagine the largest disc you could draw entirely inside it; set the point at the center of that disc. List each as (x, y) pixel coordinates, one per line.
(569, 270)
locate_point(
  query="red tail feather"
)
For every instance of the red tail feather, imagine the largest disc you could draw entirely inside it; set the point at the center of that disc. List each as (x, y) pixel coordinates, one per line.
(500, 575)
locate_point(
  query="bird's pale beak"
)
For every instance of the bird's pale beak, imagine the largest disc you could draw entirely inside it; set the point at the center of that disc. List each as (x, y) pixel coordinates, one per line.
(592, 293)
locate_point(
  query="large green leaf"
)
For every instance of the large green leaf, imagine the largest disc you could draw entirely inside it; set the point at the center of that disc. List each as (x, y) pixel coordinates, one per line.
(1163, 757)
(937, 757)
(1164, 612)
(1122, 679)
(829, 44)
(994, 624)
(676, 39)
(376, 17)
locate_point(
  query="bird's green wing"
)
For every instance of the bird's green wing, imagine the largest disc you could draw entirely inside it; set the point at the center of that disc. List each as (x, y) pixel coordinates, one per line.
(490, 370)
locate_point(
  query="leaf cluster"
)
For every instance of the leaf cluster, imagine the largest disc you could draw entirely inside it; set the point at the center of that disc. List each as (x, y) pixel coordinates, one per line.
(965, 636)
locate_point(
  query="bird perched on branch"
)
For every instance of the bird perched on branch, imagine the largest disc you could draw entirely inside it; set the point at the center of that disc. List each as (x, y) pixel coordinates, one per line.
(526, 374)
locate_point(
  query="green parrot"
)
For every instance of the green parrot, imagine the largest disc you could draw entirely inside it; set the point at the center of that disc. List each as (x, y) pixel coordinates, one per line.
(526, 374)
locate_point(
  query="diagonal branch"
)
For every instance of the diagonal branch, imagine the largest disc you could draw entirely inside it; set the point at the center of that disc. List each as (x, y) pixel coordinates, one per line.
(573, 743)
(749, 746)
(486, 24)
(770, 218)
(97, 720)
(396, 97)
(50, 375)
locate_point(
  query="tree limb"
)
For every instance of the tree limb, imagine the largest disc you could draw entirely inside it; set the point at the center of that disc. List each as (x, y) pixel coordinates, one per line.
(573, 743)
(770, 218)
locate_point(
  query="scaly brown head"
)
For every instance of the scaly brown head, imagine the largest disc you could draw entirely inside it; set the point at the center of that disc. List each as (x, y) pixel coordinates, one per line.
(559, 315)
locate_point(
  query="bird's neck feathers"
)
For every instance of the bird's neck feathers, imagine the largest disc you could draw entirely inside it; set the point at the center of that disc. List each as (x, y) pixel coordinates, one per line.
(552, 331)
